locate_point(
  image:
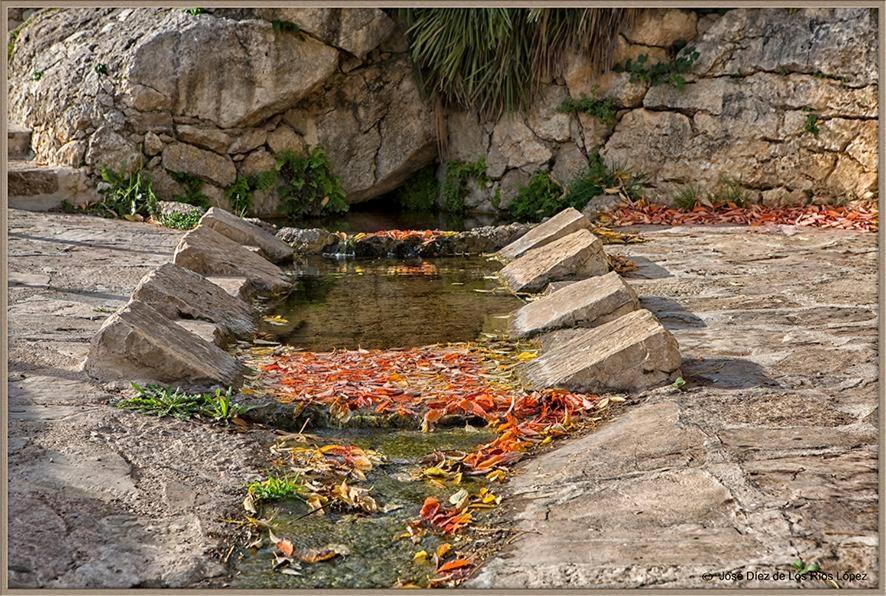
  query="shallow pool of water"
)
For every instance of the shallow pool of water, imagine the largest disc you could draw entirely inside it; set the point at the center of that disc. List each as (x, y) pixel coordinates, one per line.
(391, 303)
(374, 220)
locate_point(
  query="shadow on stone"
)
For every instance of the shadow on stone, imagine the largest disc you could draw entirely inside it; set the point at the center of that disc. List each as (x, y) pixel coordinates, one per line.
(726, 373)
(647, 269)
(671, 313)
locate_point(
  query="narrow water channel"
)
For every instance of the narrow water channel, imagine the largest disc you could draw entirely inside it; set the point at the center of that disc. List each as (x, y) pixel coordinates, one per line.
(376, 304)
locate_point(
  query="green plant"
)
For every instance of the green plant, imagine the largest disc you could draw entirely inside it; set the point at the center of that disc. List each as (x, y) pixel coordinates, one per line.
(194, 11)
(285, 26)
(810, 125)
(541, 197)
(192, 187)
(124, 194)
(162, 401)
(239, 194)
(598, 179)
(276, 487)
(679, 384)
(603, 109)
(419, 192)
(10, 45)
(688, 197)
(805, 568)
(101, 69)
(670, 72)
(181, 220)
(308, 186)
(456, 182)
(36, 75)
(728, 190)
(492, 59)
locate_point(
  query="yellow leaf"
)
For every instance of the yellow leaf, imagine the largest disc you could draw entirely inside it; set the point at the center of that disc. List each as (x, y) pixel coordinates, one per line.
(547, 440)
(443, 549)
(434, 472)
(526, 356)
(420, 557)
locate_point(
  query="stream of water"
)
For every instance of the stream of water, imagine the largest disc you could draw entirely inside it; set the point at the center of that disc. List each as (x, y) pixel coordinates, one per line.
(377, 304)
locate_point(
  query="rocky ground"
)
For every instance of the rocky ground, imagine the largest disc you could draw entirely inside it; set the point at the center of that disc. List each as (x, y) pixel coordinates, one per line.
(768, 456)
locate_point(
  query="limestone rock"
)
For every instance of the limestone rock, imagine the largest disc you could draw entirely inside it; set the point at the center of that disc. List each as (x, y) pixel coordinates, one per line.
(203, 136)
(153, 144)
(562, 224)
(355, 30)
(600, 205)
(576, 256)
(187, 159)
(307, 240)
(207, 252)
(139, 343)
(467, 139)
(514, 145)
(569, 163)
(631, 353)
(283, 138)
(663, 27)
(179, 293)
(545, 119)
(238, 287)
(247, 234)
(586, 303)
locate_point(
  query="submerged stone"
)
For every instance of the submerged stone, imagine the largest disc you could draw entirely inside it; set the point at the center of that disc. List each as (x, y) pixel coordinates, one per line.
(241, 231)
(139, 343)
(179, 293)
(564, 223)
(585, 303)
(631, 353)
(212, 254)
(576, 256)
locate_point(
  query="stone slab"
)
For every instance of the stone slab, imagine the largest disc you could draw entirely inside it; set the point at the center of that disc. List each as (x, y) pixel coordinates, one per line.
(564, 223)
(235, 286)
(209, 253)
(139, 343)
(176, 293)
(586, 303)
(576, 256)
(631, 353)
(241, 231)
(205, 330)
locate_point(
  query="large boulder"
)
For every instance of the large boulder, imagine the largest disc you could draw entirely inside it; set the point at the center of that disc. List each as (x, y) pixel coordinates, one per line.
(562, 224)
(631, 353)
(179, 293)
(586, 303)
(241, 231)
(139, 343)
(576, 256)
(357, 31)
(209, 253)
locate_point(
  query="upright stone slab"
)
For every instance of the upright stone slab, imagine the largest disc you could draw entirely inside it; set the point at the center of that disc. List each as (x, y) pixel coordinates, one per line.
(239, 287)
(139, 343)
(209, 253)
(576, 256)
(586, 303)
(631, 353)
(242, 232)
(179, 293)
(564, 223)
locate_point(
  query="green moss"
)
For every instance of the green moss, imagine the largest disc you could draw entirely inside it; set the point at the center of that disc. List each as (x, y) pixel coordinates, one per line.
(603, 109)
(455, 185)
(308, 186)
(670, 72)
(419, 193)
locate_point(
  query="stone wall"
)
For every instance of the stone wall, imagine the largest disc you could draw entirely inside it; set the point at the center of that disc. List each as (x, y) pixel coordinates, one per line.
(217, 95)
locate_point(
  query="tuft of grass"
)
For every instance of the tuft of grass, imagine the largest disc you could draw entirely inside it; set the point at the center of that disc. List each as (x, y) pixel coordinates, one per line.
(160, 401)
(181, 220)
(308, 186)
(727, 191)
(670, 72)
(276, 487)
(194, 11)
(124, 195)
(603, 109)
(688, 197)
(810, 125)
(455, 184)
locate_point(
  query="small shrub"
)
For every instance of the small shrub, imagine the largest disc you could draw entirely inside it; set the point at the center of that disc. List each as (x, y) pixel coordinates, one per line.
(603, 109)
(101, 69)
(276, 487)
(688, 197)
(598, 179)
(239, 194)
(125, 195)
(193, 189)
(540, 198)
(181, 220)
(419, 193)
(670, 72)
(455, 185)
(159, 401)
(810, 125)
(308, 186)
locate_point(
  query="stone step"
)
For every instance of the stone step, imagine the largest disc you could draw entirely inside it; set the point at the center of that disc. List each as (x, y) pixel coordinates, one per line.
(631, 353)
(137, 343)
(205, 251)
(35, 187)
(564, 223)
(575, 256)
(247, 234)
(586, 303)
(19, 142)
